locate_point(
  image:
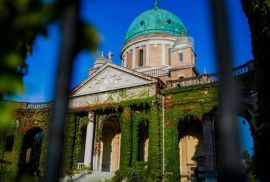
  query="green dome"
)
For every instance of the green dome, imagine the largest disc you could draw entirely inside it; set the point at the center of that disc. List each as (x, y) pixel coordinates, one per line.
(156, 20)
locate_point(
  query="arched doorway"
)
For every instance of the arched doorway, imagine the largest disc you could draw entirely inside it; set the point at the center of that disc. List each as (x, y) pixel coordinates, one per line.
(110, 146)
(30, 153)
(246, 147)
(191, 150)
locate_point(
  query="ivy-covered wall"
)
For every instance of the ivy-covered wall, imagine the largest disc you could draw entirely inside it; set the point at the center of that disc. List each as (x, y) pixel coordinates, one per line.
(165, 110)
(73, 142)
(180, 103)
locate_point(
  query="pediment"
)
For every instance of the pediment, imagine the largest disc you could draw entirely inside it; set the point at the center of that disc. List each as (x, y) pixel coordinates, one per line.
(111, 77)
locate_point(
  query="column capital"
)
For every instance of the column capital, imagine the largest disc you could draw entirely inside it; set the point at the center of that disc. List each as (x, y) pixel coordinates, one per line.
(91, 116)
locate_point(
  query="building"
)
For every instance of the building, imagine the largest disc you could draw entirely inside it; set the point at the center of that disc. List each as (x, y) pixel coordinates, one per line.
(154, 111)
(157, 48)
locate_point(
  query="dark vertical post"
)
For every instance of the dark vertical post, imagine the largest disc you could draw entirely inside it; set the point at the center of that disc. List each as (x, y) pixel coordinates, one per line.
(228, 95)
(210, 167)
(69, 27)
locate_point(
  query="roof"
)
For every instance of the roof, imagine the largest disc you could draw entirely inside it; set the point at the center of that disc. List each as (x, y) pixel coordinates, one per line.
(156, 20)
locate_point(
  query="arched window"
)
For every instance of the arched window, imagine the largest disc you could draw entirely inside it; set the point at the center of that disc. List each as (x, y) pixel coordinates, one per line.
(141, 58)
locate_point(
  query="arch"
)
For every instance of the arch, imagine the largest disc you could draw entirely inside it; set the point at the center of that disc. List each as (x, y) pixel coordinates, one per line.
(110, 145)
(191, 148)
(247, 112)
(30, 152)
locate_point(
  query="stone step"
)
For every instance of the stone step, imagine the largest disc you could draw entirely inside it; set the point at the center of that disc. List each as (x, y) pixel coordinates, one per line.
(96, 176)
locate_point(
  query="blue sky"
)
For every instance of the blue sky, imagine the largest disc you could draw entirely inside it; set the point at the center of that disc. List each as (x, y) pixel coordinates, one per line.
(246, 139)
(112, 18)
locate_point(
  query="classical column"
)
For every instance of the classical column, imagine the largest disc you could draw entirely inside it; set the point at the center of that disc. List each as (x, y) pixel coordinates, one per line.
(125, 60)
(97, 147)
(147, 55)
(89, 140)
(210, 170)
(133, 57)
(163, 56)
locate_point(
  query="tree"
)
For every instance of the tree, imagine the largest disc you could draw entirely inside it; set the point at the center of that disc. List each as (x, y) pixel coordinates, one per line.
(258, 12)
(21, 21)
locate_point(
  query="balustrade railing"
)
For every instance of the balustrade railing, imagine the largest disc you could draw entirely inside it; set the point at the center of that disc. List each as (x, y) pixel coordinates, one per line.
(156, 72)
(80, 166)
(205, 78)
(209, 78)
(39, 105)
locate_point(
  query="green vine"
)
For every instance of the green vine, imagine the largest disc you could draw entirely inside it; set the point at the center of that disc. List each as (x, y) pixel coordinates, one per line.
(126, 143)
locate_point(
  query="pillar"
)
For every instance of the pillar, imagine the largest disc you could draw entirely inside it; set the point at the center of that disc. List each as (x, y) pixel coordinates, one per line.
(147, 55)
(163, 55)
(97, 146)
(125, 60)
(125, 147)
(89, 140)
(133, 58)
(210, 169)
(154, 152)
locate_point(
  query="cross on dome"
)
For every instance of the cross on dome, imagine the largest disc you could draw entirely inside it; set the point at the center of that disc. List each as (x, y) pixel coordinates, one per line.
(156, 3)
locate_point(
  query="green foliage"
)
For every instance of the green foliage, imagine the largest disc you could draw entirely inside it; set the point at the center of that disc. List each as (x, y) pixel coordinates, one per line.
(154, 152)
(140, 102)
(126, 137)
(194, 101)
(10, 160)
(139, 118)
(20, 21)
(72, 142)
(135, 174)
(172, 116)
(257, 12)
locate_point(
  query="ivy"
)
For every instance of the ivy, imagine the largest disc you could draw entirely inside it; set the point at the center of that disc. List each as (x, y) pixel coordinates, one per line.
(154, 154)
(126, 143)
(139, 118)
(72, 142)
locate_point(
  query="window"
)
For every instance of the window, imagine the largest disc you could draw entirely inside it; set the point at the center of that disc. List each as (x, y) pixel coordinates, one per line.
(141, 58)
(181, 57)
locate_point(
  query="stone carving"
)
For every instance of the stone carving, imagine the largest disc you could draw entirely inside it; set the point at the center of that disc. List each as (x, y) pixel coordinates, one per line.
(110, 79)
(91, 116)
(110, 54)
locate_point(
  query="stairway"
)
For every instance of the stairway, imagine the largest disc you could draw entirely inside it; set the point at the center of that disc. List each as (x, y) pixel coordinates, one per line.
(96, 177)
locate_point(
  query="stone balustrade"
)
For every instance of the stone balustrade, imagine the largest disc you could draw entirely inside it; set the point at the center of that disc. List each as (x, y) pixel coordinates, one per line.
(202, 79)
(39, 105)
(209, 78)
(156, 72)
(80, 166)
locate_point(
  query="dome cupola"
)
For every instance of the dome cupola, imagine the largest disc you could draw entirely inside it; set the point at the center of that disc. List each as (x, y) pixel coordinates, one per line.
(156, 20)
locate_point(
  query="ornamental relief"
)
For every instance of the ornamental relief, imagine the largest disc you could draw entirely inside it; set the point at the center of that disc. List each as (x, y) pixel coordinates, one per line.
(111, 79)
